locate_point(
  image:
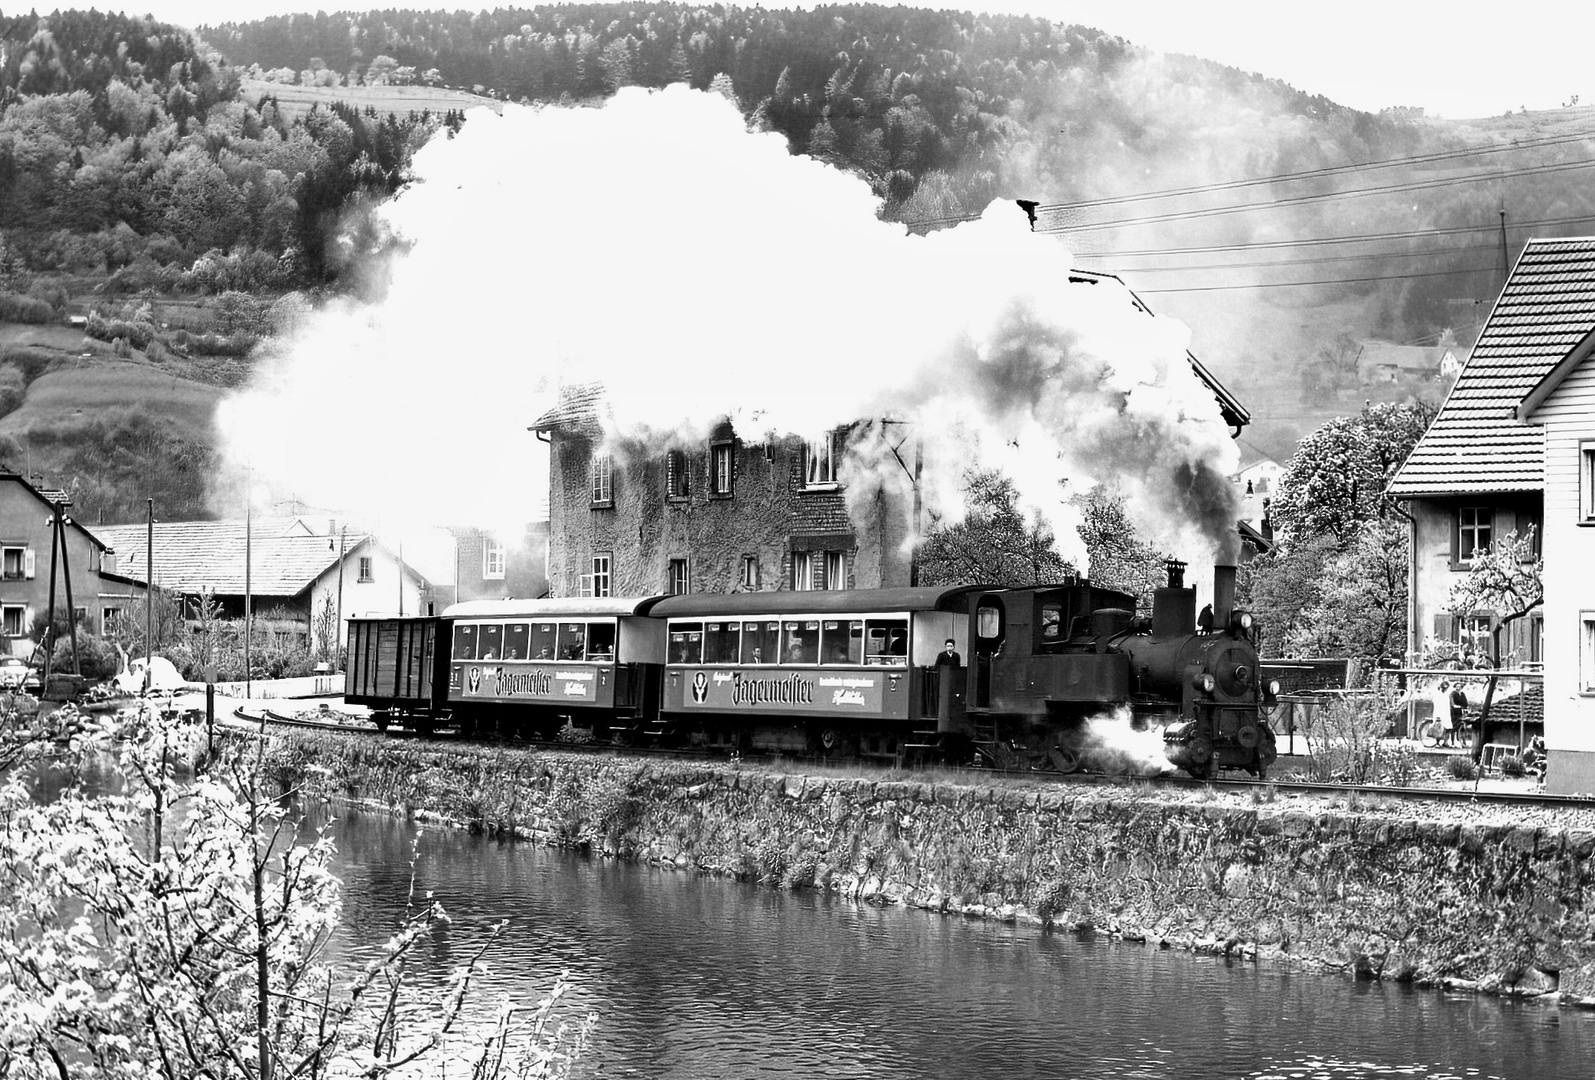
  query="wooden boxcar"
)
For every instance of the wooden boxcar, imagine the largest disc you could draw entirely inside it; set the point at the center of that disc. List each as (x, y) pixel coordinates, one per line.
(394, 668)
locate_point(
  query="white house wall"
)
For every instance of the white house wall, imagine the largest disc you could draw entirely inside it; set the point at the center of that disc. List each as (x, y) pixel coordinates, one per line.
(1569, 550)
(365, 599)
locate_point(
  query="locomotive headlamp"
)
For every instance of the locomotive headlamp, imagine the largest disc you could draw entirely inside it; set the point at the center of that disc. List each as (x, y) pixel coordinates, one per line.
(1246, 620)
(1204, 682)
(1273, 687)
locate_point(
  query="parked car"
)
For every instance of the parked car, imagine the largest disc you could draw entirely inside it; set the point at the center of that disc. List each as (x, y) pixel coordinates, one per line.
(12, 671)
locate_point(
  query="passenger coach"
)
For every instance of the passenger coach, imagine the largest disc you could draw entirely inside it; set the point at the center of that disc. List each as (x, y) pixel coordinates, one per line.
(526, 666)
(844, 672)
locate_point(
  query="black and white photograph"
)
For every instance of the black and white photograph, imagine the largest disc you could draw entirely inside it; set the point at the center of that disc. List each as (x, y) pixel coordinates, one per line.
(684, 541)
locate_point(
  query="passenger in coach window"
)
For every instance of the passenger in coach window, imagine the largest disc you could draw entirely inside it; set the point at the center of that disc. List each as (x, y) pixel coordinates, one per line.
(949, 657)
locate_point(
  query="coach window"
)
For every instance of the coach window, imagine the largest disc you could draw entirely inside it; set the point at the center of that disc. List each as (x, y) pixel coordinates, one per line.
(759, 640)
(686, 643)
(516, 640)
(722, 642)
(490, 642)
(543, 638)
(886, 641)
(572, 640)
(842, 641)
(465, 641)
(600, 641)
(800, 642)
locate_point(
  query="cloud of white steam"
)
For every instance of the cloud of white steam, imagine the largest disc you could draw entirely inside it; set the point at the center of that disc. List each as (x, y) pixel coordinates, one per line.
(1113, 744)
(701, 271)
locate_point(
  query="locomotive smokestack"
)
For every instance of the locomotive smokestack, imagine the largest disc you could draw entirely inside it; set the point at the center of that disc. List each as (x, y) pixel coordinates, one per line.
(1176, 572)
(1223, 596)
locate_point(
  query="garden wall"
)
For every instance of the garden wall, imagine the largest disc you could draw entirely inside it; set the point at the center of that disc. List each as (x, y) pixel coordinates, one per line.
(1454, 898)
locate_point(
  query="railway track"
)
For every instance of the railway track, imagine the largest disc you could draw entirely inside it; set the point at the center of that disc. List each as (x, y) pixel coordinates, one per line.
(1274, 788)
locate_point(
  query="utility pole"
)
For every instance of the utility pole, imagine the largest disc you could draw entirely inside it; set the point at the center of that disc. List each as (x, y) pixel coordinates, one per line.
(249, 526)
(149, 593)
(337, 630)
(49, 626)
(1506, 265)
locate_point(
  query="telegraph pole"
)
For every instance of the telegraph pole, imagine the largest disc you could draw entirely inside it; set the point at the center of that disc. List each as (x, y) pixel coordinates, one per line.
(1506, 265)
(149, 592)
(249, 524)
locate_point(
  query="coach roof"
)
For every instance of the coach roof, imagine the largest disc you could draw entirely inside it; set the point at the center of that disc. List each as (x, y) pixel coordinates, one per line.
(563, 607)
(811, 602)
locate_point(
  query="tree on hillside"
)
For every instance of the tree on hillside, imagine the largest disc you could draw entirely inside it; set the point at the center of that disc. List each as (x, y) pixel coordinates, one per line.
(993, 544)
(1336, 480)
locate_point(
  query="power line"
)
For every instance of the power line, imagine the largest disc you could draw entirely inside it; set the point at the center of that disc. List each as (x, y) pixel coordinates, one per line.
(1493, 269)
(1298, 200)
(1362, 238)
(1324, 260)
(1328, 170)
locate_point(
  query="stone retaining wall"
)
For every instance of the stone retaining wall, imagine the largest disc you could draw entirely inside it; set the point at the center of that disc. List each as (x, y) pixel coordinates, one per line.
(1475, 902)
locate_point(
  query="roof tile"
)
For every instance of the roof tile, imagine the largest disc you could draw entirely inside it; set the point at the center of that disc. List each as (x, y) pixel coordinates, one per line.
(1476, 443)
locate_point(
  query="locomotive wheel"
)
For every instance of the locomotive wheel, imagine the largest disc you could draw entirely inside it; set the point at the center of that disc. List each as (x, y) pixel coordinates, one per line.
(1064, 760)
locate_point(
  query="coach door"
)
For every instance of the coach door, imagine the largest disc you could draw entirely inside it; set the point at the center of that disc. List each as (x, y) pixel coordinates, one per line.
(991, 624)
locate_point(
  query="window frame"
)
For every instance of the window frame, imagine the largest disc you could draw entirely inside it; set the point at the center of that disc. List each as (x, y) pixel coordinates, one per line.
(802, 571)
(1484, 521)
(678, 487)
(23, 559)
(492, 559)
(722, 469)
(750, 580)
(835, 570)
(1586, 653)
(819, 471)
(22, 620)
(601, 481)
(1586, 482)
(678, 577)
(600, 581)
(367, 570)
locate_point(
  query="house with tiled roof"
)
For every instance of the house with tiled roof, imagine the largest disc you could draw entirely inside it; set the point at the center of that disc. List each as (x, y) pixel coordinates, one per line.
(1561, 407)
(735, 513)
(293, 573)
(1479, 471)
(1382, 361)
(100, 592)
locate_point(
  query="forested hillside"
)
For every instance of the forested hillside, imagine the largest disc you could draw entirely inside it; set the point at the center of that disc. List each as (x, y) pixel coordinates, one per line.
(902, 94)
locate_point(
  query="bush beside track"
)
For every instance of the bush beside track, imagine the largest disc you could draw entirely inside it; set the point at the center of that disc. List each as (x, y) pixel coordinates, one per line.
(1486, 898)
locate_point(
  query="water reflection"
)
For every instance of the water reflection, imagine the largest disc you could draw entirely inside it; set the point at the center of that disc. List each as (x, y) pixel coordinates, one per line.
(698, 977)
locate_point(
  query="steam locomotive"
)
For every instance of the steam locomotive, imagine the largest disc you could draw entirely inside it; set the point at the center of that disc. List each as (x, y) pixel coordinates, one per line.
(858, 674)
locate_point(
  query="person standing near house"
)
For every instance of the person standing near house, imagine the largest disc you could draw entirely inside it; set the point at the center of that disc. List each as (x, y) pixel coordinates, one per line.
(1459, 710)
(1442, 714)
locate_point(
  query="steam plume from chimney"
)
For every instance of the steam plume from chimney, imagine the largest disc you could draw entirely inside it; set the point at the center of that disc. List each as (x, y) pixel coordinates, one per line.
(700, 272)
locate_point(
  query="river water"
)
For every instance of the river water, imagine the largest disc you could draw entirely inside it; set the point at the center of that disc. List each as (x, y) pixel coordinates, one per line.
(702, 977)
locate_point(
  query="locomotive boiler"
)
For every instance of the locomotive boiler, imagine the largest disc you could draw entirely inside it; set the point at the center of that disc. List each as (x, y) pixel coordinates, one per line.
(1047, 663)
